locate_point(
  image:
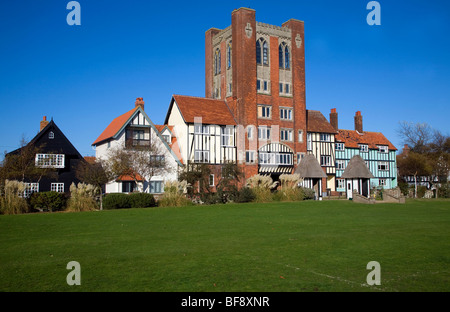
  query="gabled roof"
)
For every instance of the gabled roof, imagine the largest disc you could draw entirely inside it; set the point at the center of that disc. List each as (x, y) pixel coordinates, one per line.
(212, 112)
(40, 139)
(174, 142)
(115, 126)
(309, 167)
(316, 122)
(353, 138)
(357, 168)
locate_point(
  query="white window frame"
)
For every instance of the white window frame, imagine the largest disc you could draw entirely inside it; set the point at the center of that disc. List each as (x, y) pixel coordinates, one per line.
(211, 183)
(51, 135)
(340, 146)
(382, 182)
(286, 135)
(152, 186)
(340, 183)
(264, 111)
(227, 136)
(286, 113)
(57, 187)
(300, 136)
(201, 156)
(325, 137)
(325, 160)
(50, 160)
(264, 133)
(364, 147)
(275, 159)
(383, 149)
(340, 164)
(300, 156)
(308, 141)
(201, 129)
(32, 187)
(250, 157)
(383, 164)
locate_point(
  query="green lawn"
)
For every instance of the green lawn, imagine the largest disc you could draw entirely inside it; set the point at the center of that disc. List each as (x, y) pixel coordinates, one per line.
(305, 246)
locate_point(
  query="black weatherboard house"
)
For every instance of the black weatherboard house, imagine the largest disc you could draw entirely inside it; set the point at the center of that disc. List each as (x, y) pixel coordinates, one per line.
(55, 153)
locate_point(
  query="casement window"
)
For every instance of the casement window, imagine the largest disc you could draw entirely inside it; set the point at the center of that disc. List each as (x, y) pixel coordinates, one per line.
(201, 129)
(262, 86)
(128, 186)
(340, 183)
(211, 180)
(340, 146)
(309, 142)
(325, 160)
(275, 159)
(201, 156)
(51, 135)
(156, 187)
(250, 157)
(283, 56)
(217, 62)
(262, 52)
(286, 135)
(157, 160)
(286, 113)
(340, 164)
(364, 147)
(57, 187)
(30, 188)
(325, 137)
(383, 148)
(264, 133)
(300, 156)
(227, 138)
(138, 134)
(383, 165)
(382, 182)
(166, 138)
(264, 111)
(50, 160)
(285, 88)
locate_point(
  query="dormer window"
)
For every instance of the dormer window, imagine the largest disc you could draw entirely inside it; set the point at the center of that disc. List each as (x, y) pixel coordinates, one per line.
(364, 147)
(166, 138)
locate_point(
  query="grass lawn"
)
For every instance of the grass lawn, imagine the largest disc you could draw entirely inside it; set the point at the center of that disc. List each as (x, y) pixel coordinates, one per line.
(294, 247)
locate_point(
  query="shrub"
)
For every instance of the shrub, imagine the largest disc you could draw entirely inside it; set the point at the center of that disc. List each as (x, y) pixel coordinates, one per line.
(116, 201)
(289, 188)
(308, 193)
(142, 200)
(10, 200)
(48, 201)
(421, 191)
(262, 186)
(245, 195)
(82, 197)
(174, 194)
(444, 191)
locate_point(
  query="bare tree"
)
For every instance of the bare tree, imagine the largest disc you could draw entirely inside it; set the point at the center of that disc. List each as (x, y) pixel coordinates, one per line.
(137, 161)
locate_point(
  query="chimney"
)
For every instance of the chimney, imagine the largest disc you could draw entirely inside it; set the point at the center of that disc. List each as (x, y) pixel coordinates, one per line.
(334, 119)
(43, 123)
(139, 102)
(358, 122)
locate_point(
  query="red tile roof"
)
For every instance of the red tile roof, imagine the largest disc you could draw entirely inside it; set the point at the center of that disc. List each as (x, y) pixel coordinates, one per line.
(212, 112)
(114, 126)
(130, 177)
(316, 122)
(352, 138)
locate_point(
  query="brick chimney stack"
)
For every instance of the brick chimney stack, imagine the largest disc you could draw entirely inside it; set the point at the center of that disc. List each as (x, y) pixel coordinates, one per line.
(358, 122)
(334, 119)
(139, 102)
(43, 123)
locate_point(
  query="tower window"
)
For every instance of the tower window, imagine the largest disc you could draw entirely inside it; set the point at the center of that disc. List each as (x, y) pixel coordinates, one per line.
(262, 52)
(217, 62)
(284, 56)
(229, 55)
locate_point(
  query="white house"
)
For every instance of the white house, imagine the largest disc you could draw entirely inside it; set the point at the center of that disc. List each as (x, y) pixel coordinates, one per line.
(134, 128)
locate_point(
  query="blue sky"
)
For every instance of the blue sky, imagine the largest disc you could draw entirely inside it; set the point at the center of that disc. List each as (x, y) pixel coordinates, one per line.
(85, 76)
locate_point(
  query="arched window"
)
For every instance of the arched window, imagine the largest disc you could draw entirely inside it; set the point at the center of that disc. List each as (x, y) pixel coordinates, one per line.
(284, 56)
(217, 62)
(262, 52)
(229, 55)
